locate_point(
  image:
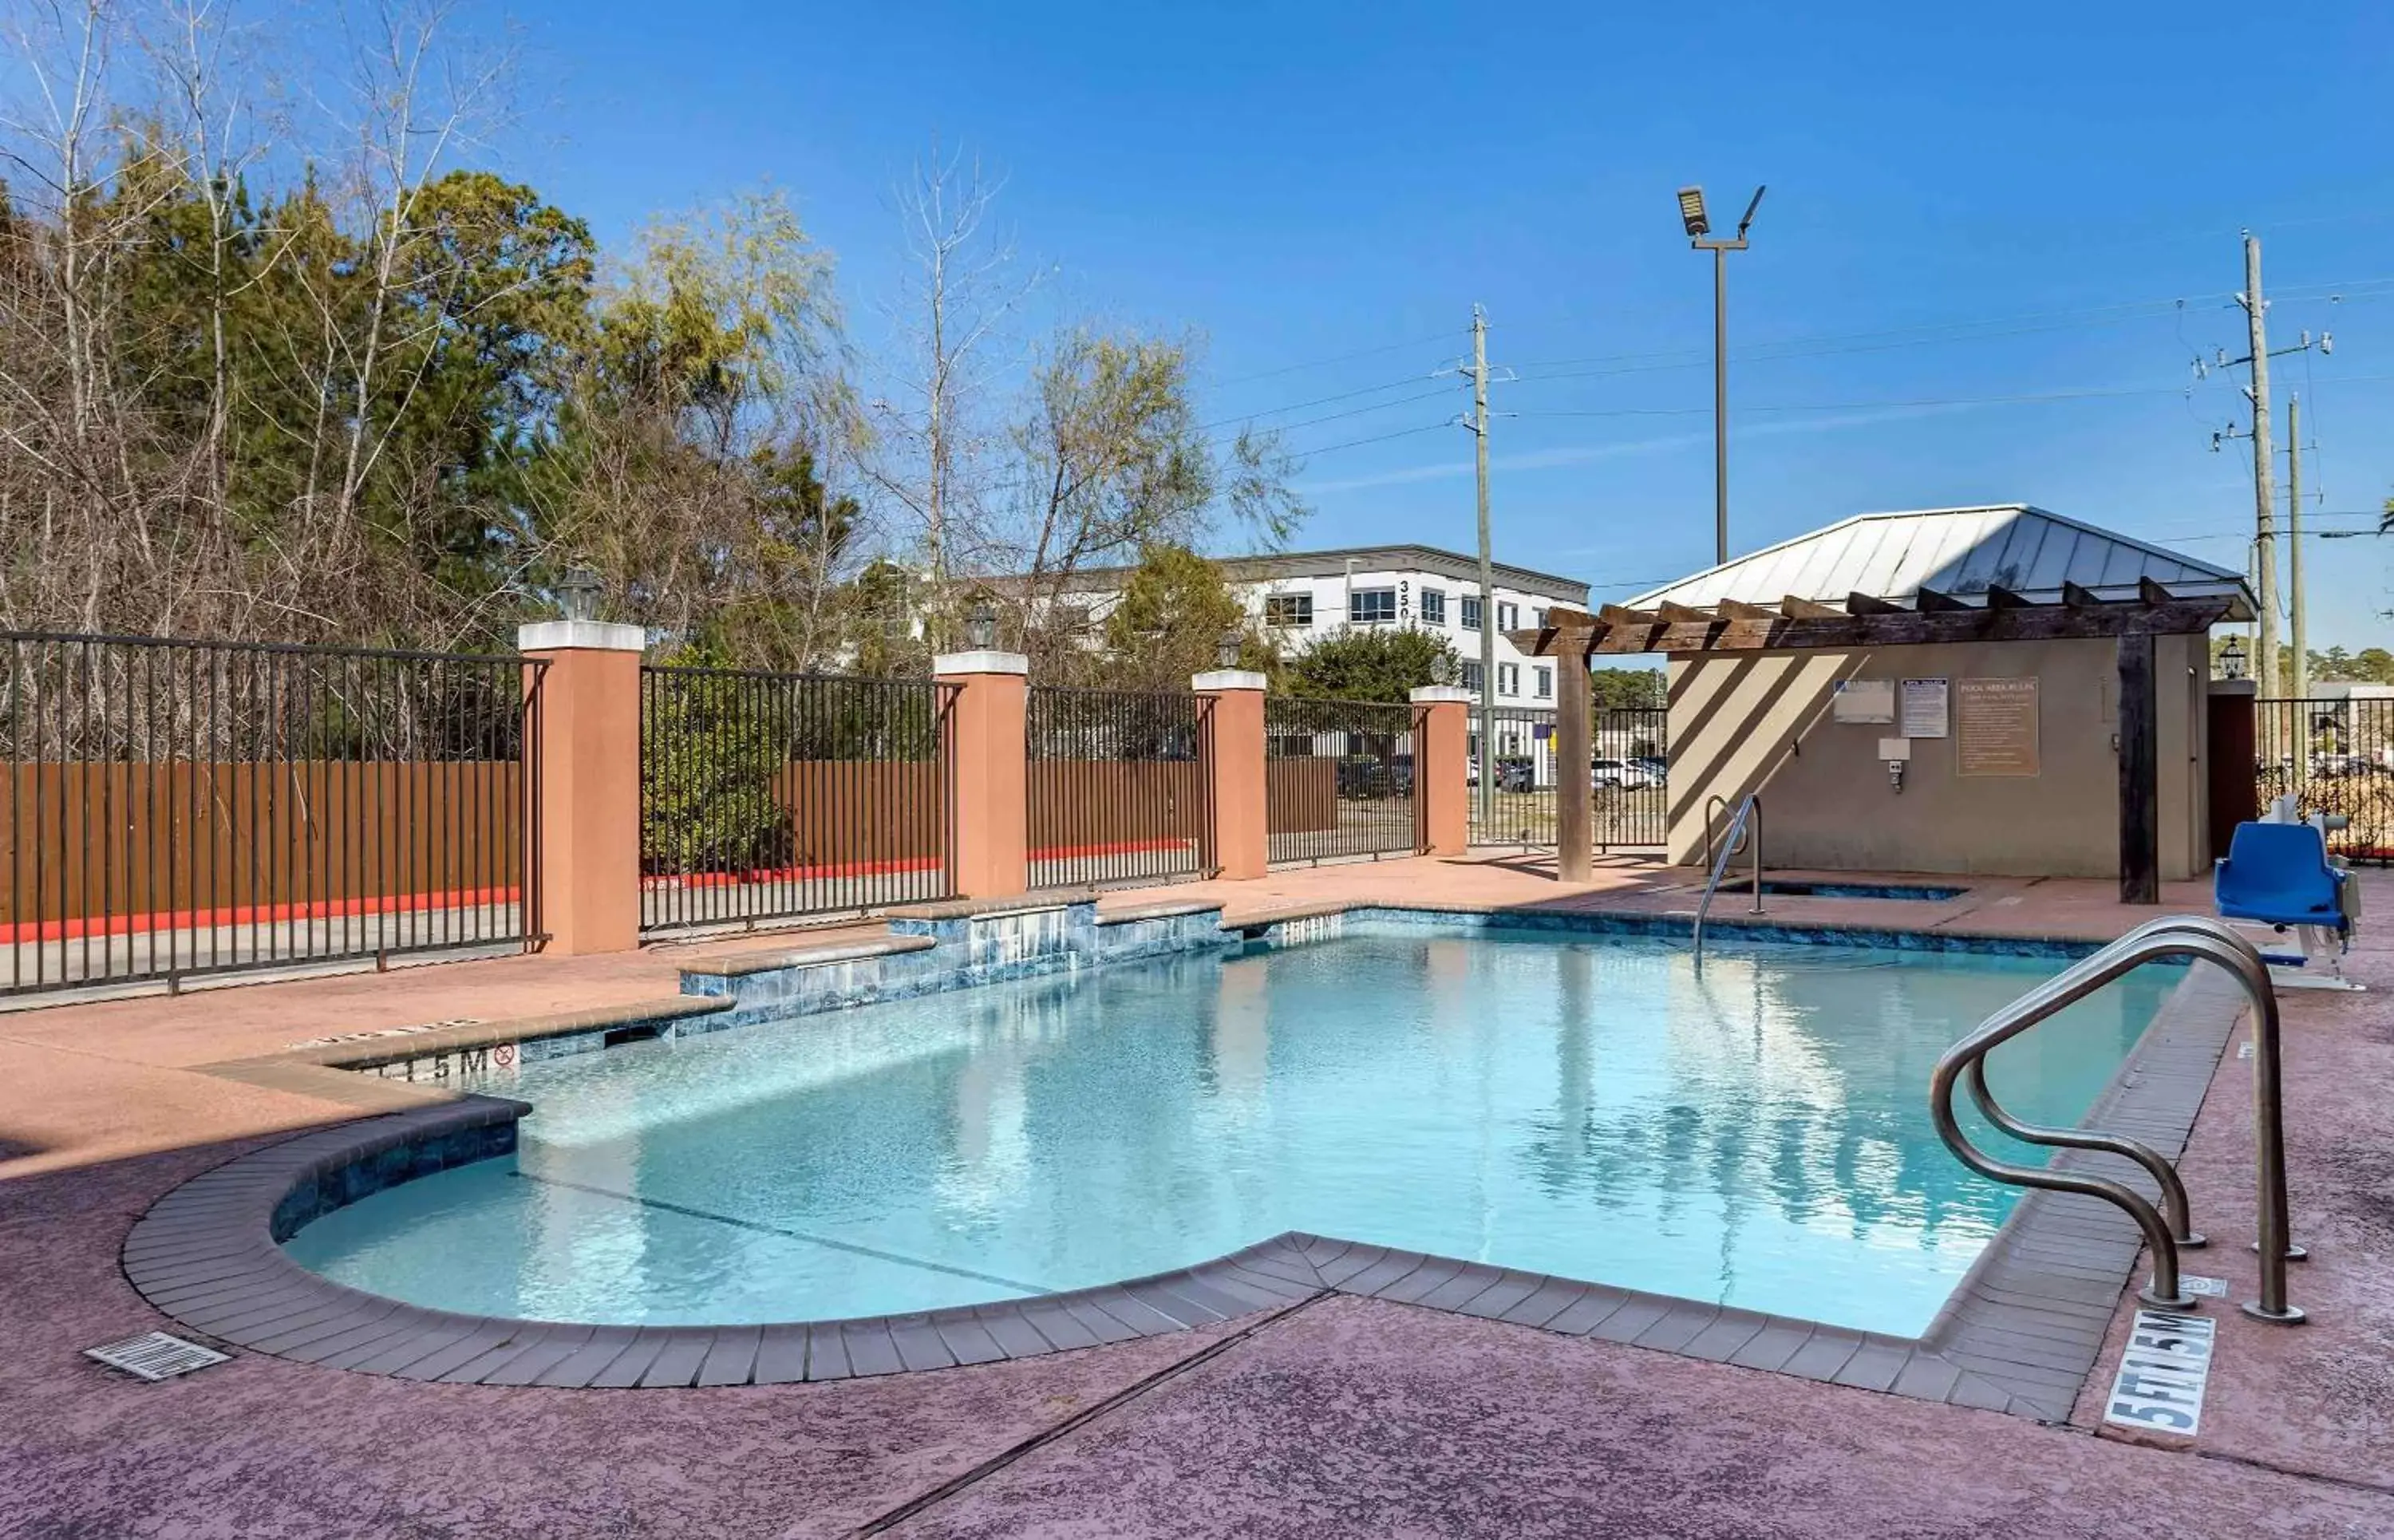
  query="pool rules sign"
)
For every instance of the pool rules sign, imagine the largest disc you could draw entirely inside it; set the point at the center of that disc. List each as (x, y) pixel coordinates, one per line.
(2160, 1384)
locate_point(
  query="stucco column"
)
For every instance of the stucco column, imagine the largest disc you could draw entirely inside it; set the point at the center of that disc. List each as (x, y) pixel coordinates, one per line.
(1441, 770)
(582, 746)
(1234, 769)
(987, 782)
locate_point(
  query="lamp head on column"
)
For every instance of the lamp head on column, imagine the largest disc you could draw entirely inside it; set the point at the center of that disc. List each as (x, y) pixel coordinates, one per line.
(577, 593)
(1225, 649)
(2231, 659)
(1441, 669)
(981, 626)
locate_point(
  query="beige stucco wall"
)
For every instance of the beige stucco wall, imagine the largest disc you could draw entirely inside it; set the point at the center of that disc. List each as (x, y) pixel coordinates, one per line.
(1746, 721)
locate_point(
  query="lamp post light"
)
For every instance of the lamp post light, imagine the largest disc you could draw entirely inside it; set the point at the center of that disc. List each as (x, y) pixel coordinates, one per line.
(578, 591)
(1225, 649)
(980, 627)
(2231, 659)
(1699, 228)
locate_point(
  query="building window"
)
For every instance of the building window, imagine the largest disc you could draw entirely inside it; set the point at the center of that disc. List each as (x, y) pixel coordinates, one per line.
(1538, 618)
(1509, 679)
(1434, 606)
(1509, 615)
(1374, 606)
(1288, 610)
(1472, 677)
(1470, 613)
(1544, 678)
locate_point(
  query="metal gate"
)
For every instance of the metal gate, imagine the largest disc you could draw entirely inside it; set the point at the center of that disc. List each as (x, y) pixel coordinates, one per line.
(1515, 803)
(2336, 756)
(177, 809)
(1338, 780)
(1116, 786)
(768, 796)
(1630, 774)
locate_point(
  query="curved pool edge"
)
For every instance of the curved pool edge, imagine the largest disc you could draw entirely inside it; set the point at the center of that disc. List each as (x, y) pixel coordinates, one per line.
(206, 1255)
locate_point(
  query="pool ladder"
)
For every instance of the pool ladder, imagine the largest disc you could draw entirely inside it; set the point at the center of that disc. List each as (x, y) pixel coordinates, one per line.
(1745, 831)
(2166, 1229)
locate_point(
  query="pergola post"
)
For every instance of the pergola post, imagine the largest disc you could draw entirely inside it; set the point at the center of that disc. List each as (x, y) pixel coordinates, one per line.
(2140, 826)
(1574, 770)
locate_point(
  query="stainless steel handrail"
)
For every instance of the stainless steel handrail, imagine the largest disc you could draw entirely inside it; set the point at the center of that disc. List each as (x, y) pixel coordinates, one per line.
(1750, 806)
(2191, 936)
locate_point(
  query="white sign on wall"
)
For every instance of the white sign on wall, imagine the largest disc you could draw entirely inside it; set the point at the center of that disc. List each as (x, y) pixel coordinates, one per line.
(1921, 708)
(1863, 701)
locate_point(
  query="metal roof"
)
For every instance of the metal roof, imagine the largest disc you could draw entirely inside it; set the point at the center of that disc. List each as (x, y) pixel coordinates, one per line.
(1955, 551)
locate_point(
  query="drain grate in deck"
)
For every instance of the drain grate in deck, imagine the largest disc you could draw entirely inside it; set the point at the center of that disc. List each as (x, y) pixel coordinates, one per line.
(155, 1355)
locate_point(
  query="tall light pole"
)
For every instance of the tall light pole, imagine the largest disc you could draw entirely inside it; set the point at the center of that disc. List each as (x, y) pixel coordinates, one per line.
(1692, 213)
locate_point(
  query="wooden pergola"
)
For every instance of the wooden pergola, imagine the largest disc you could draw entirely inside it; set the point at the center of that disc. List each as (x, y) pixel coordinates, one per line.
(1865, 621)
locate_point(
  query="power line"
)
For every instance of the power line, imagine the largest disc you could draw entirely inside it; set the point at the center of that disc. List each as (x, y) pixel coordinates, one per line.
(1931, 334)
(2088, 394)
(1379, 439)
(1338, 358)
(1318, 400)
(1350, 412)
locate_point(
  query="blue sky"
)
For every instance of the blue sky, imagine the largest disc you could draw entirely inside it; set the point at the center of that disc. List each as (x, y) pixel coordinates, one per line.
(1965, 203)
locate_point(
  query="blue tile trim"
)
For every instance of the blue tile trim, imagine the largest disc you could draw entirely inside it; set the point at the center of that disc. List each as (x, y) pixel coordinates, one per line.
(1724, 931)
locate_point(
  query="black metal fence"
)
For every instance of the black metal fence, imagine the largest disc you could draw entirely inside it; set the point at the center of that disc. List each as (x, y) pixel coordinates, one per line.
(1116, 786)
(771, 796)
(1513, 787)
(1630, 774)
(177, 809)
(1338, 780)
(2335, 756)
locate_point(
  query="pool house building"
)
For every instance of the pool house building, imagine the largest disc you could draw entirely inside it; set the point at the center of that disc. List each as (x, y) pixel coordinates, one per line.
(1994, 690)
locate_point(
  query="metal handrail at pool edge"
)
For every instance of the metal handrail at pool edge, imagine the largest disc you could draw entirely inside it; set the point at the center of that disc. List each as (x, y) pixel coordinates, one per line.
(1749, 806)
(2189, 936)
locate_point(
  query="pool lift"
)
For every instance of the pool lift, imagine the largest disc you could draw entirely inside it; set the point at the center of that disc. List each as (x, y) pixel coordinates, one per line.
(2279, 882)
(1745, 833)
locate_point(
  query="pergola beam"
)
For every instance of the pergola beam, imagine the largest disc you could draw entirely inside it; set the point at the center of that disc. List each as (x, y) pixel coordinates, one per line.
(1866, 622)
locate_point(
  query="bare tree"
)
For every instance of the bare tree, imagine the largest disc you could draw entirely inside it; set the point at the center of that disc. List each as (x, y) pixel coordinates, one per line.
(416, 97)
(939, 454)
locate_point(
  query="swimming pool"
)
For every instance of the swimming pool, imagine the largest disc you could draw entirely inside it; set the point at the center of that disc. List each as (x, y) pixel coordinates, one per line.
(1755, 1134)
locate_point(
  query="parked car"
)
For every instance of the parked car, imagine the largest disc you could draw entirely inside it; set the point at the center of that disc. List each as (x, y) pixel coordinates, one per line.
(1368, 778)
(1517, 775)
(1623, 774)
(1654, 765)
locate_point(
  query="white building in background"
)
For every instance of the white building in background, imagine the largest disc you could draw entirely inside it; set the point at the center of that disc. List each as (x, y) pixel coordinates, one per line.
(1294, 597)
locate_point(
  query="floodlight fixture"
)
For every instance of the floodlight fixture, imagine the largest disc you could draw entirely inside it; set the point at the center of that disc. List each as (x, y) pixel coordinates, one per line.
(1691, 213)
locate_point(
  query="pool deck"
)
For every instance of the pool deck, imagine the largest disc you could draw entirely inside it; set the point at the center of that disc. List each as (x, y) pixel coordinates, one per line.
(1338, 1416)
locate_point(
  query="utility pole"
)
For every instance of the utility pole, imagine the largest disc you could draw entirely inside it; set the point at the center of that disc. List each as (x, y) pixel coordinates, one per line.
(1487, 573)
(2265, 495)
(2297, 639)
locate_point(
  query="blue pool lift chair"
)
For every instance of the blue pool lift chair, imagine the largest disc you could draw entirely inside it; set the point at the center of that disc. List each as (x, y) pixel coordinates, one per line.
(2279, 876)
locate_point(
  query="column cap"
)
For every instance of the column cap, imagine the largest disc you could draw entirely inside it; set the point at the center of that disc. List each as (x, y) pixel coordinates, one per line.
(1438, 694)
(2235, 687)
(597, 636)
(1215, 680)
(983, 661)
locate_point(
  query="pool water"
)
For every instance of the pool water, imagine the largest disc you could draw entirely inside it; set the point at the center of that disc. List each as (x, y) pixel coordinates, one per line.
(1755, 1134)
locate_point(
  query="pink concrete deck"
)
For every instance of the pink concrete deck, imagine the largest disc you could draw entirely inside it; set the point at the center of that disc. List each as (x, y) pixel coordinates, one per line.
(1347, 1417)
